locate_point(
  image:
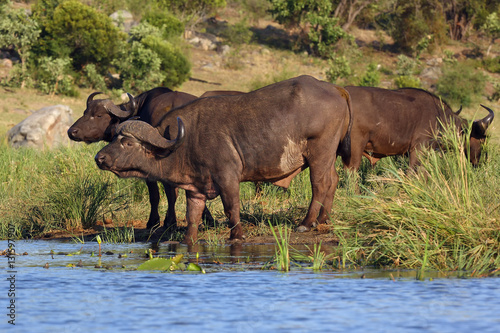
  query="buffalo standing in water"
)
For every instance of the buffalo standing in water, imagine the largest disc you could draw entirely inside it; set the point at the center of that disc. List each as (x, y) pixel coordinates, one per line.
(210, 145)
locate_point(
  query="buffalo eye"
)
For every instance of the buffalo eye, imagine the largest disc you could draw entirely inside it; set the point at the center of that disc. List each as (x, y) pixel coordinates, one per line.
(127, 143)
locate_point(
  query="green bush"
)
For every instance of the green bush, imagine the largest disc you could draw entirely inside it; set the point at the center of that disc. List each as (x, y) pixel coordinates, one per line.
(407, 81)
(139, 68)
(406, 68)
(93, 79)
(327, 33)
(238, 33)
(406, 65)
(492, 65)
(169, 25)
(460, 84)
(80, 32)
(51, 77)
(173, 64)
(338, 67)
(174, 67)
(371, 77)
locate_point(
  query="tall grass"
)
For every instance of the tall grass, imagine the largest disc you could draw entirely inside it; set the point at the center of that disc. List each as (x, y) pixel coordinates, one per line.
(442, 216)
(59, 189)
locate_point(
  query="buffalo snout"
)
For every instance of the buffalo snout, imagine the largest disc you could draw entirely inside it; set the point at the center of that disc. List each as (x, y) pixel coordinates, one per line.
(73, 134)
(101, 160)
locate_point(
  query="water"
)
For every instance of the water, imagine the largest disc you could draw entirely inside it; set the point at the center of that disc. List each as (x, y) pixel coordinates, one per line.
(234, 296)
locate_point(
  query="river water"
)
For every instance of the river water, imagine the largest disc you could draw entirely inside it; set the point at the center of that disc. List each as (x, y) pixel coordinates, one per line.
(235, 295)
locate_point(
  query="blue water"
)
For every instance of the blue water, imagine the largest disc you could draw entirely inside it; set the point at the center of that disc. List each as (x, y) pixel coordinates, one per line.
(233, 297)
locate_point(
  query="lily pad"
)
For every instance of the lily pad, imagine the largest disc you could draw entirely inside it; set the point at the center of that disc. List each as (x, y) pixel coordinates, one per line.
(195, 268)
(155, 264)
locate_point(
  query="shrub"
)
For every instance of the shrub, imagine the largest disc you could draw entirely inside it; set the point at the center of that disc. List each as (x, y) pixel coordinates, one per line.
(139, 68)
(328, 33)
(406, 68)
(460, 83)
(371, 77)
(407, 81)
(238, 33)
(93, 79)
(52, 76)
(174, 64)
(338, 67)
(80, 32)
(492, 65)
(19, 30)
(168, 25)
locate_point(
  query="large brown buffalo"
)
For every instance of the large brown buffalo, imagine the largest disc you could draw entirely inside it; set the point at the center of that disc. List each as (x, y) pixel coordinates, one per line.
(396, 122)
(102, 116)
(210, 145)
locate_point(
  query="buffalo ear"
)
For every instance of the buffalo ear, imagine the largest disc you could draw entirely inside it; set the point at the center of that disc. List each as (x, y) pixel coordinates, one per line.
(132, 104)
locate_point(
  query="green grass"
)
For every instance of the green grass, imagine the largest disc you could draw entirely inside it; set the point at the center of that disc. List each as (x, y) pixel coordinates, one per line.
(444, 216)
(59, 190)
(282, 256)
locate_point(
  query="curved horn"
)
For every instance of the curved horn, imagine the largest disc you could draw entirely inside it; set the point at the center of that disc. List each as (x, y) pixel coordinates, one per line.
(458, 111)
(116, 111)
(147, 133)
(486, 121)
(91, 97)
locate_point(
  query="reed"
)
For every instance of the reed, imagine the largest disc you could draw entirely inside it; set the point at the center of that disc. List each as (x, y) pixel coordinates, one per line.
(442, 216)
(282, 257)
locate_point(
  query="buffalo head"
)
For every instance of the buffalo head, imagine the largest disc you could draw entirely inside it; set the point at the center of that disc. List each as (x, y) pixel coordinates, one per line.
(135, 149)
(100, 119)
(478, 136)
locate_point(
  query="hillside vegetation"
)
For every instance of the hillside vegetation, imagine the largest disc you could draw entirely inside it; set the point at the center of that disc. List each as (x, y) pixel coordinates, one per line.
(268, 41)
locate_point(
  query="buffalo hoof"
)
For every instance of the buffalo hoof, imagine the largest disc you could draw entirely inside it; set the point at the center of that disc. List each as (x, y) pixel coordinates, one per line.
(152, 224)
(303, 228)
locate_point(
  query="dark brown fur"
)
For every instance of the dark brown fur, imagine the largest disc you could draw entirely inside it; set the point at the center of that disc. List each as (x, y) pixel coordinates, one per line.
(396, 122)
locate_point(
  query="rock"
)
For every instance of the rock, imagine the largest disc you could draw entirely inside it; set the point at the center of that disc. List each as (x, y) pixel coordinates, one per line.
(46, 127)
(435, 62)
(224, 49)
(205, 41)
(431, 73)
(124, 20)
(6, 63)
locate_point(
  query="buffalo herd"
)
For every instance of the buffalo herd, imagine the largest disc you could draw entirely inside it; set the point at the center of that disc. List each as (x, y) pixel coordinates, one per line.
(207, 145)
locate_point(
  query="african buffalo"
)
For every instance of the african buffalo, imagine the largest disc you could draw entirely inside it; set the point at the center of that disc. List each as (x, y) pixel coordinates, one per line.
(210, 145)
(396, 122)
(99, 122)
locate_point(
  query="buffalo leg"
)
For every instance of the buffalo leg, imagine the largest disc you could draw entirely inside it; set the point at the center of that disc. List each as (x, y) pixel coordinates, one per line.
(322, 168)
(230, 196)
(195, 204)
(171, 193)
(324, 213)
(154, 200)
